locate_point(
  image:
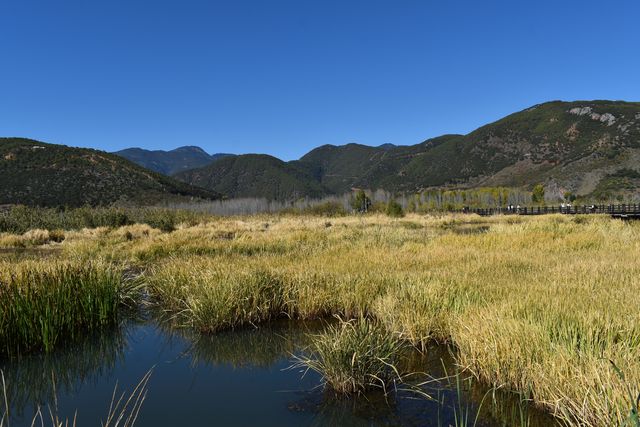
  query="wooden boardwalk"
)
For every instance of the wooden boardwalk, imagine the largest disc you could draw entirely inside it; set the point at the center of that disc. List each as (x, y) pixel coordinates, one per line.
(631, 211)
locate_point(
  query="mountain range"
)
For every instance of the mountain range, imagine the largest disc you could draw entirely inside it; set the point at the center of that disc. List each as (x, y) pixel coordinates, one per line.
(588, 148)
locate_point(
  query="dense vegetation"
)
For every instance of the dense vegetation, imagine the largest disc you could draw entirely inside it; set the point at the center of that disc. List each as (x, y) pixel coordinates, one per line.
(20, 219)
(35, 173)
(616, 185)
(567, 146)
(170, 162)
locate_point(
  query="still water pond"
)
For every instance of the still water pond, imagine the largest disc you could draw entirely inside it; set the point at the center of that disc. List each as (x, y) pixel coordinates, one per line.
(239, 378)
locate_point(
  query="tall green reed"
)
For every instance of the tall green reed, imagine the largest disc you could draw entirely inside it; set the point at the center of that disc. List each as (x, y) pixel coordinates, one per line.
(44, 304)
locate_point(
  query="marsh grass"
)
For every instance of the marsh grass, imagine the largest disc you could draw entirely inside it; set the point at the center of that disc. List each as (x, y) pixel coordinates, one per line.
(31, 238)
(45, 303)
(224, 301)
(532, 305)
(513, 411)
(125, 409)
(463, 414)
(354, 355)
(633, 420)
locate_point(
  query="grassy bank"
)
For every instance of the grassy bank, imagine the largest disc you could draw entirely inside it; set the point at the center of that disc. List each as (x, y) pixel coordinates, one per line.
(536, 305)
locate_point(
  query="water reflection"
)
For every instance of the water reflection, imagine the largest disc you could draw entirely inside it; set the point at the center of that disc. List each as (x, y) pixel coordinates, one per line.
(32, 380)
(260, 347)
(242, 378)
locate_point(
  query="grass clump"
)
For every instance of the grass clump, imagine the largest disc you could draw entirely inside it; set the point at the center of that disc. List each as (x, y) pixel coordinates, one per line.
(221, 300)
(42, 304)
(354, 356)
(31, 238)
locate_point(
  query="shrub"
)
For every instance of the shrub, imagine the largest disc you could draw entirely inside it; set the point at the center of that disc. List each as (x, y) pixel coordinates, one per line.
(361, 203)
(394, 209)
(569, 196)
(378, 207)
(537, 195)
(160, 219)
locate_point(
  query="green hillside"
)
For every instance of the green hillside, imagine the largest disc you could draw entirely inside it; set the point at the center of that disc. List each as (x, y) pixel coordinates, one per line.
(568, 146)
(36, 173)
(340, 168)
(255, 175)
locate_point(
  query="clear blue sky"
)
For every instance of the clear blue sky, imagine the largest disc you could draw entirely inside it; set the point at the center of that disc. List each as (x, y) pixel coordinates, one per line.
(281, 77)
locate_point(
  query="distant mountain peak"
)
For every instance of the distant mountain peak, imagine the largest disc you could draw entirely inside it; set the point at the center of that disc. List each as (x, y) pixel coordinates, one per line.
(170, 162)
(193, 148)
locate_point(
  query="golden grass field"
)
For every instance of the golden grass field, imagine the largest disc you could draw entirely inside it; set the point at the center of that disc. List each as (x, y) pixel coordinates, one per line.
(537, 305)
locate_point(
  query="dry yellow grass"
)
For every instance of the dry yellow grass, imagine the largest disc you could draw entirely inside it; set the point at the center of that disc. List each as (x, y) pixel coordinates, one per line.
(534, 304)
(31, 238)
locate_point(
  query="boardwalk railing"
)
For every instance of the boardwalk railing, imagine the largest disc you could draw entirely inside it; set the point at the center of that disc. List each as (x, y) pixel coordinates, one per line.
(622, 211)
